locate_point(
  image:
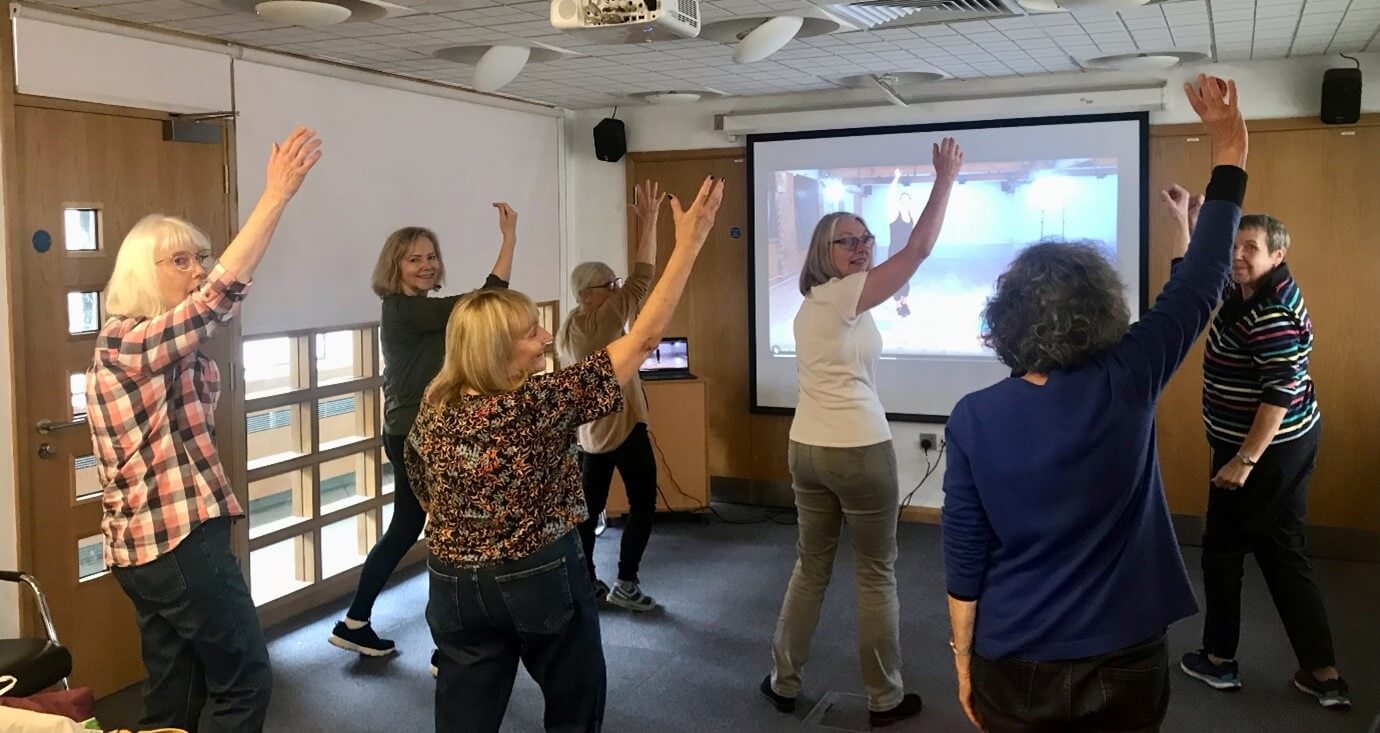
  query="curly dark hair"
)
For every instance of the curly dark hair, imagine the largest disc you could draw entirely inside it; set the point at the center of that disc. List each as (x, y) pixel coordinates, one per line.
(1059, 305)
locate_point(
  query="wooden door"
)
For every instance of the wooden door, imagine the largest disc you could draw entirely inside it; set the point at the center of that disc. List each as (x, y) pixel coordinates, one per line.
(1187, 161)
(713, 311)
(1321, 182)
(85, 178)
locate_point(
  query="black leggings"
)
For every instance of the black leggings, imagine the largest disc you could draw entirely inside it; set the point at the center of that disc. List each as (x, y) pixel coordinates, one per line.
(636, 464)
(403, 531)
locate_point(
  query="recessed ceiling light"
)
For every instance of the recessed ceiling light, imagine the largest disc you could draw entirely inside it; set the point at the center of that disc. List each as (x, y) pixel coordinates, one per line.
(302, 12)
(1144, 61)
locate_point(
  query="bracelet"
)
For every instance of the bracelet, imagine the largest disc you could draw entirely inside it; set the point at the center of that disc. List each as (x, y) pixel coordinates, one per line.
(966, 652)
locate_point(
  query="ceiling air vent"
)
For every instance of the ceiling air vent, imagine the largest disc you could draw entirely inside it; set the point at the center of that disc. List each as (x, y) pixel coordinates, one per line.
(879, 14)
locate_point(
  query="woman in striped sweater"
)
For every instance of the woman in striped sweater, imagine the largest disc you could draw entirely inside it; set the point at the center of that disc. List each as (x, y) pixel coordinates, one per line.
(1263, 426)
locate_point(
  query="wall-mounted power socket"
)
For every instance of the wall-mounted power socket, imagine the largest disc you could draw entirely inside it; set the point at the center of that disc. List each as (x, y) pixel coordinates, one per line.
(928, 441)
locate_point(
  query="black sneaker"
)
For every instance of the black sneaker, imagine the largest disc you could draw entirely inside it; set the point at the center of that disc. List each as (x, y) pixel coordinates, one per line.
(1330, 694)
(782, 703)
(1225, 676)
(910, 706)
(435, 659)
(601, 592)
(362, 640)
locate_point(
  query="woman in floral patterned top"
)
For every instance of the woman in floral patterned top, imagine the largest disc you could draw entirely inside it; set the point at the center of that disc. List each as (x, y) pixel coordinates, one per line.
(491, 456)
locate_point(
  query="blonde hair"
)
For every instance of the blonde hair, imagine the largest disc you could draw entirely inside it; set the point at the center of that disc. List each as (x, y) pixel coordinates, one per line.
(585, 275)
(387, 279)
(133, 290)
(819, 262)
(479, 345)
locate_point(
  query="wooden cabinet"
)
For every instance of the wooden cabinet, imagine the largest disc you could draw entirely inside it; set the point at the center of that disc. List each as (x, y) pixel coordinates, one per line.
(676, 423)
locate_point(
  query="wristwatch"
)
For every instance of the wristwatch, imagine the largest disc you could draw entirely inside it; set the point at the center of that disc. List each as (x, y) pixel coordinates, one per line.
(968, 652)
(1245, 459)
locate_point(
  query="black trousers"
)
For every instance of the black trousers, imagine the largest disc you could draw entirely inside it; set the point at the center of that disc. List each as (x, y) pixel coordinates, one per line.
(1126, 691)
(637, 465)
(402, 533)
(1265, 517)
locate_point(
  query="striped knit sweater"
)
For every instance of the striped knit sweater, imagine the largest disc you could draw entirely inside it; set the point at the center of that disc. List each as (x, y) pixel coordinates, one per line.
(1257, 352)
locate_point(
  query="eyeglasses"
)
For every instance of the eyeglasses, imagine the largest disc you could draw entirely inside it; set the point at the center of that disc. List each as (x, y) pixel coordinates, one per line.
(613, 284)
(852, 243)
(184, 261)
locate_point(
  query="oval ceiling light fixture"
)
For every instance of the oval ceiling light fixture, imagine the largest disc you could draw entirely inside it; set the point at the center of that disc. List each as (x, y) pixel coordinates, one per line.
(294, 12)
(899, 79)
(767, 39)
(759, 36)
(500, 65)
(676, 96)
(1143, 61)
(302, 12)
(497, 64)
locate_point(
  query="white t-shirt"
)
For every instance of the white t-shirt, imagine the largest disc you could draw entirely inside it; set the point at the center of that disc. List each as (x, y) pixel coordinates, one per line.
(836, 359)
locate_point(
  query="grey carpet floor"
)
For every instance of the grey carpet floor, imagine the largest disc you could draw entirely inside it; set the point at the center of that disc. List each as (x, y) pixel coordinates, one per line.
(696, 666)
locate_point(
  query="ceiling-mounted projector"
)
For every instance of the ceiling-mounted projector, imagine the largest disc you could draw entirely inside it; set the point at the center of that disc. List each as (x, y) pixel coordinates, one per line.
(627, 21)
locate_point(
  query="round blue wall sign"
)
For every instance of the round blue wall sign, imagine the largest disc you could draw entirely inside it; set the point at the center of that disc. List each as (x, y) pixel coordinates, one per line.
(43, 241)
(736, 233)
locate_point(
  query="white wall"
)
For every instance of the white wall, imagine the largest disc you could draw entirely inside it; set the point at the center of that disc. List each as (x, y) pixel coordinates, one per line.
(597, 229)
(80, 58)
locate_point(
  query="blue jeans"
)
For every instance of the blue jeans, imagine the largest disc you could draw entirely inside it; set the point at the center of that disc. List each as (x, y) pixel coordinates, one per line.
(202, 645)
(539, 609)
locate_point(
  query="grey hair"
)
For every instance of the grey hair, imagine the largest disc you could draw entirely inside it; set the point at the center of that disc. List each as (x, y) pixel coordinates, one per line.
(133, 290)
(1059, 305)
(1276, 236)
(585, 275)
(819, 262)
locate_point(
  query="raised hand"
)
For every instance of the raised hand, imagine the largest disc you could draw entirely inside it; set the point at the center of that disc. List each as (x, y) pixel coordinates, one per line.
(948, 159)
(1217, 104)
(646, 204)
(1176, 200)
(1194, 205)
(507, 222)
(289, 162)
(693, 224)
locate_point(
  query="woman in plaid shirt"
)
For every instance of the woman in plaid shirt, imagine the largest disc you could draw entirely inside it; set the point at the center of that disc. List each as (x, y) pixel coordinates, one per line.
(168, 505)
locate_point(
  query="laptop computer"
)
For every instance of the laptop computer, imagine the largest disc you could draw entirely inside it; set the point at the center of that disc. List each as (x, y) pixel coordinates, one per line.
(670, 360)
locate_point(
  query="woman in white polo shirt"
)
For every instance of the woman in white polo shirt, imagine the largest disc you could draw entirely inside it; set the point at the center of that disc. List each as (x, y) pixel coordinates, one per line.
(843, 467)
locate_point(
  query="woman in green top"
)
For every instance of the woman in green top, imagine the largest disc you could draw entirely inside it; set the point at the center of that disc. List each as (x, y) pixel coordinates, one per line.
(413, 334)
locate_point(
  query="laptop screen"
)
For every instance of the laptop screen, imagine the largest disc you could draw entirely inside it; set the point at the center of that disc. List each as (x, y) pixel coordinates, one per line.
(671, 355)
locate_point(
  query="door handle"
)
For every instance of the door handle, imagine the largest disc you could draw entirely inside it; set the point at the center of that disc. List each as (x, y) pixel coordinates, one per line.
(46, 426)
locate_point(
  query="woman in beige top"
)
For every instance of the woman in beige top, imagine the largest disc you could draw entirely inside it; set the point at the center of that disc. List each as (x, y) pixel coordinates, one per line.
(618, 440)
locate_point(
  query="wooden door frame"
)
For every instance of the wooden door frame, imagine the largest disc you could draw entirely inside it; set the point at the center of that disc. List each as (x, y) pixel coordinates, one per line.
(233, 441)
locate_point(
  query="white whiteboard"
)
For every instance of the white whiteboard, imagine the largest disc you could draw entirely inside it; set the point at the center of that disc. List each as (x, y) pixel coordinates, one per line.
(392, 159)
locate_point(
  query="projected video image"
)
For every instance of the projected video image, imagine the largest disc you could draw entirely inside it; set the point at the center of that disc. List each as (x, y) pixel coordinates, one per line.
(996, 210)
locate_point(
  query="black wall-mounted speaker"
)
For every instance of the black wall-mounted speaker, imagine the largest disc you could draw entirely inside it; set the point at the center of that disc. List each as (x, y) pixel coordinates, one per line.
(609, 141)
(1341, 96)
